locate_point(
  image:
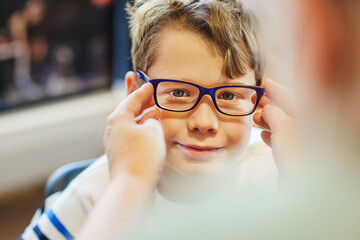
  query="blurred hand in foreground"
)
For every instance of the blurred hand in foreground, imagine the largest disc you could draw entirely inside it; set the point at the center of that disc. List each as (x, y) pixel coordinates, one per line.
(276, 116)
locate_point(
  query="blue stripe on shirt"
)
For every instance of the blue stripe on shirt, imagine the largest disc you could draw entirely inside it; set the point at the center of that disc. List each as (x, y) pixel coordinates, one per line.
(59, 226)
(39, 234)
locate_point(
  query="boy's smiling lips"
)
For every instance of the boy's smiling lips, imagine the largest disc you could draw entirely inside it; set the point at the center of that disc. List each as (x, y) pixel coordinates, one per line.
(197, 152)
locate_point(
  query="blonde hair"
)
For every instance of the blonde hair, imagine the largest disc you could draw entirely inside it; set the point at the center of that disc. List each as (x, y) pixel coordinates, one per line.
(226, 23)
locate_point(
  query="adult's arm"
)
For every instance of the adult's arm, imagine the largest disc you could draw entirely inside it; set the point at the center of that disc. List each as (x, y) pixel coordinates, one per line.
(136, 153)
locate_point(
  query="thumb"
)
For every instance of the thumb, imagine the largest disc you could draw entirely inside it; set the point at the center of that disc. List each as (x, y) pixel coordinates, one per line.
(134, 104)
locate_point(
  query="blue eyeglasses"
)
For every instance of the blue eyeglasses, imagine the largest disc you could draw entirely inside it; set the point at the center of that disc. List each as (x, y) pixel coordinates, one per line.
(181, 96)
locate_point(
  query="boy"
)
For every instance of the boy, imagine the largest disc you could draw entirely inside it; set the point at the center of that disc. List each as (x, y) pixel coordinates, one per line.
(205, 63)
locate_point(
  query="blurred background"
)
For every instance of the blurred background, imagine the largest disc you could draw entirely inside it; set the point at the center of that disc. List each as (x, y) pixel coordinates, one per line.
(60, 76)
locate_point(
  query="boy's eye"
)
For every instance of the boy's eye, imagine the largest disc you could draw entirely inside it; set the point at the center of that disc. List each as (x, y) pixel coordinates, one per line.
(227, 96)
(179, 93)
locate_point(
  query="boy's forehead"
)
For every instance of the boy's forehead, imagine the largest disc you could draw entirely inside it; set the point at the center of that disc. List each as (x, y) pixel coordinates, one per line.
(246, 79)
(187, 56)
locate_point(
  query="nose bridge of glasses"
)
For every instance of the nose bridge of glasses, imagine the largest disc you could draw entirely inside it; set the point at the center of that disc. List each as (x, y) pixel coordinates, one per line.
(207, 91)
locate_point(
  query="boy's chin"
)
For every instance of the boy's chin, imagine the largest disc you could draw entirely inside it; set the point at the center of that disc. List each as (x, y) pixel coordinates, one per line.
(185, 184)
(199, 171)
(180, 165)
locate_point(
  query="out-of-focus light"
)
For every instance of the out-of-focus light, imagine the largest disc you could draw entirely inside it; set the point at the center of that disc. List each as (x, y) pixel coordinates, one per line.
(101, 3)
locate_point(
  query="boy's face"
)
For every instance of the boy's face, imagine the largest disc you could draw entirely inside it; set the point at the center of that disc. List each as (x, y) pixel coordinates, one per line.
(200, 142)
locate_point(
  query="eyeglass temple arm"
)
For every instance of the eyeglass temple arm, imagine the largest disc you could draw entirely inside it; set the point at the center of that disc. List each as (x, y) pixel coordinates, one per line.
(143, 76)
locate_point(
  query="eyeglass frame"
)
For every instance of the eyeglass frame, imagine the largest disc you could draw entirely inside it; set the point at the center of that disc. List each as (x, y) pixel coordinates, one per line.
(202, 91)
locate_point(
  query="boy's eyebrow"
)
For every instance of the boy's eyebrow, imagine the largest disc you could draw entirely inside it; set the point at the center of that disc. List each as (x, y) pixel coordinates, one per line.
(224, 82)
(239, 82)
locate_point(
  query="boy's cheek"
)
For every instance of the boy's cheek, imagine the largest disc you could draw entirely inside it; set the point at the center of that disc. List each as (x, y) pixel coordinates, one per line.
(171, 123)
(239, 133)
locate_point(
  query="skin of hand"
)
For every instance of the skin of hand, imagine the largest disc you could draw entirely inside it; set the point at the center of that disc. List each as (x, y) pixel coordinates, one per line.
(275, 115)
(135, 145)
(136, 151)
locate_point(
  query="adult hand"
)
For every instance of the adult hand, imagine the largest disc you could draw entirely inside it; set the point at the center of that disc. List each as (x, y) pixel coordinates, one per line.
(275, 115)
(135, 148)
(135, 145)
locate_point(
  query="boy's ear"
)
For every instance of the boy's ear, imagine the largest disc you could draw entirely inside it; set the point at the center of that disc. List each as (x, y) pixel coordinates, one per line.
(131, 81)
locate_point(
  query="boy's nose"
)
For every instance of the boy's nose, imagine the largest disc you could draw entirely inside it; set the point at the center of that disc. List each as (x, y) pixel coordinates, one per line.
(204, 118)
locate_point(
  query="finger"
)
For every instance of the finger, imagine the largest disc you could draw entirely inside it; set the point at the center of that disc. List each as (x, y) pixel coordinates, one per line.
(266, 137)
(259, 121)
(280, 96)
(274, 117)
(134, 104)
(263, 101)
(151, 113)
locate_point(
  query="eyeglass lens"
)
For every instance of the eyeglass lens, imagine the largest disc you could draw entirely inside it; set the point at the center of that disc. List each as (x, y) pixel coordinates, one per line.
(178, 96)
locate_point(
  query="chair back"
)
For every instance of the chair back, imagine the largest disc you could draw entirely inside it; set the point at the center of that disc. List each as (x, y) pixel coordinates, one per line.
(59, 180)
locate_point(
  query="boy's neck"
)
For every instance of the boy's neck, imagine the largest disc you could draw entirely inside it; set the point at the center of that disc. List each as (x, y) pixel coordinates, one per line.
(178, 188)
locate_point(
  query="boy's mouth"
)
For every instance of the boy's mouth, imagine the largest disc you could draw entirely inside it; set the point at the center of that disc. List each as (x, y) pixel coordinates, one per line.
(198, 152)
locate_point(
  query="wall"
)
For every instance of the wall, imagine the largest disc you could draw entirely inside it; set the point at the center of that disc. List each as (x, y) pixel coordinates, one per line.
(36, 141)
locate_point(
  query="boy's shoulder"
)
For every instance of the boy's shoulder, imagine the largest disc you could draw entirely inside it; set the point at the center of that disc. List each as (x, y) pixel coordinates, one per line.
(92, 181)
(96, 173)
(63, 213)
(87, 187)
